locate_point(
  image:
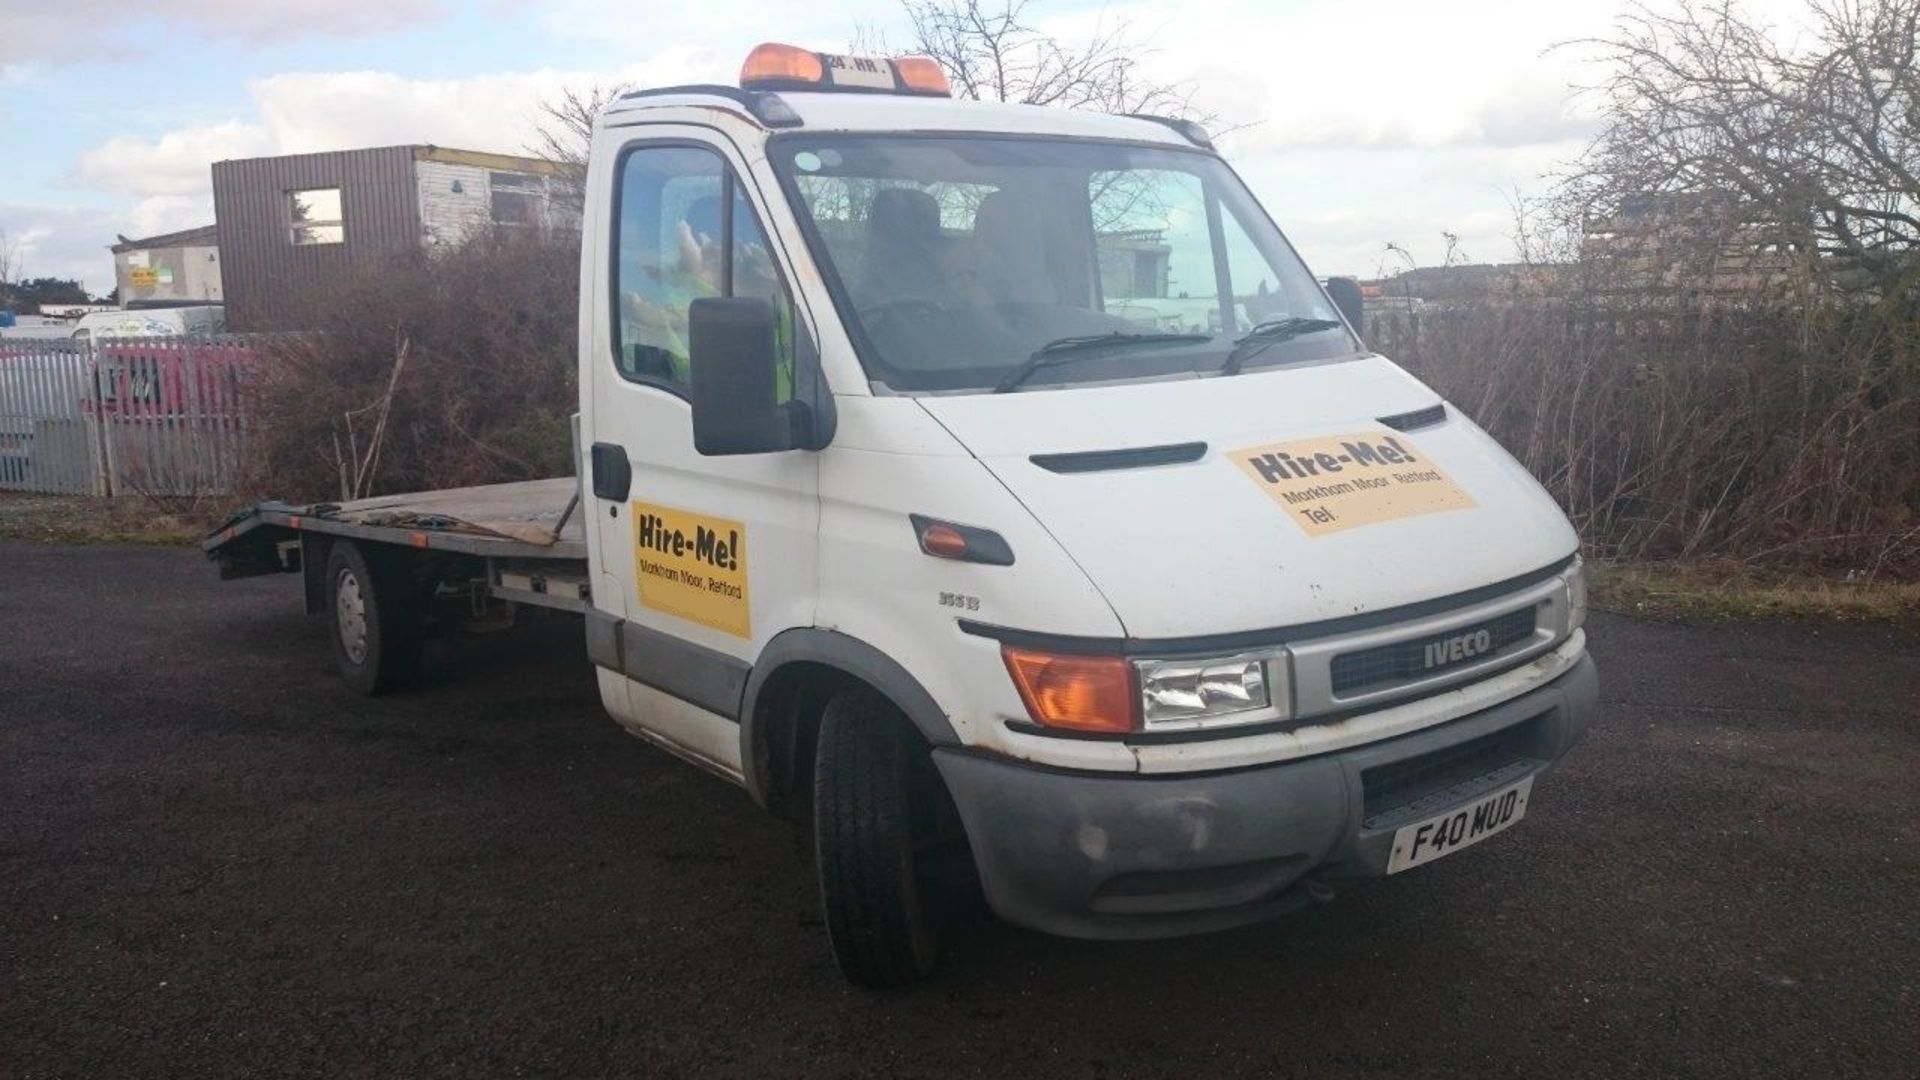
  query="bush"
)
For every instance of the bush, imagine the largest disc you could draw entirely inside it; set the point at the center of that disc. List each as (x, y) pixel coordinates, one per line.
(1781, 436)
(1774, 435)
(460, 365)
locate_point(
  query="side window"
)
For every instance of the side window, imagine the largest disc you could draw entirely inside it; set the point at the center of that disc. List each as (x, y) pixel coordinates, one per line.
(668, 255)
(754, 274)
(1260, 292)
(677, 205)
(1154, 249)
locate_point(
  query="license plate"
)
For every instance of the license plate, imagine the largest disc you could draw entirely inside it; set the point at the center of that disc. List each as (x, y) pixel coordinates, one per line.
(1424, 841)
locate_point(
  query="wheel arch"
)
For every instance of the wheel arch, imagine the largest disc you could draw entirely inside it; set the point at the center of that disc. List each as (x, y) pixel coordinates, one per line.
(791, 681)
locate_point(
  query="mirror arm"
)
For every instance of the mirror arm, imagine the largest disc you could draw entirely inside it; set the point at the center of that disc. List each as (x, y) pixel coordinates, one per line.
(810, 423)
(799, 424)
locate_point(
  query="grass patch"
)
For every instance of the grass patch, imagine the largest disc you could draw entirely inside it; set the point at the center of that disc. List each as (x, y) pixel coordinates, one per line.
(83, 519)
(1713, 590)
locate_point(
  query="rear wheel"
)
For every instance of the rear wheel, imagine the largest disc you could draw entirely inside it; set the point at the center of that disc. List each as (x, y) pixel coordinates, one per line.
(864, 815)
(376, 617)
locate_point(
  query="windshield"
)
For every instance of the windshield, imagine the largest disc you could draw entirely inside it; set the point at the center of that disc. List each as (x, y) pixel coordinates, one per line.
(955, 259)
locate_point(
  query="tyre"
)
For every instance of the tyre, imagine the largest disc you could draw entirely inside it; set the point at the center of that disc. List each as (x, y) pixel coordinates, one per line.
(864, 813)
(375, 613)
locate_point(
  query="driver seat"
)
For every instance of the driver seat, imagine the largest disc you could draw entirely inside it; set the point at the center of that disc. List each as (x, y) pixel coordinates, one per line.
(903, 257)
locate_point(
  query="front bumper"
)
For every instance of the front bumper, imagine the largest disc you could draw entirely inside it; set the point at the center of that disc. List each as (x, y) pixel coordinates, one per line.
(1142, 856)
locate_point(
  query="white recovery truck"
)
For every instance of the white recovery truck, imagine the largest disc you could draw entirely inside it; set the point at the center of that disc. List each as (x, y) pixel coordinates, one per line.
(994, 492)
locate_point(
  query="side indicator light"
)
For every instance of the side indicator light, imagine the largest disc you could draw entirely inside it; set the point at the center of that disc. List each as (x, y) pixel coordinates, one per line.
(963, 543)
(943, 540)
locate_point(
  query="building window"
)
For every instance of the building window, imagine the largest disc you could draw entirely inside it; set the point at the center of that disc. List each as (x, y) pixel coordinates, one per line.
(515, 198)
(515, 181)
(316, 218)
(515, 208)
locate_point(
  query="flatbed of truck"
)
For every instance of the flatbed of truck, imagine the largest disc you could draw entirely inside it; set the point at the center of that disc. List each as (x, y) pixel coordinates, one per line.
(532, 519)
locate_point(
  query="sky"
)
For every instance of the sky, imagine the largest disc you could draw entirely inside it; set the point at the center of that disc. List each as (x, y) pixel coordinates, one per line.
(1357, 125)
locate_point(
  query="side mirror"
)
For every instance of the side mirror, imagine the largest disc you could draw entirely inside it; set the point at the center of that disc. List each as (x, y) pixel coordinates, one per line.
(1345, 293)
(734, 362)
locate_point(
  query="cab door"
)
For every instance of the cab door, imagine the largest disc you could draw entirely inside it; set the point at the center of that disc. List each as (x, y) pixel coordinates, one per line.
(708, 557)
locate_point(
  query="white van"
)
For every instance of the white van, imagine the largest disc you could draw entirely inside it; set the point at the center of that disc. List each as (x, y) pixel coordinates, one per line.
(152, 322)
(992, 490)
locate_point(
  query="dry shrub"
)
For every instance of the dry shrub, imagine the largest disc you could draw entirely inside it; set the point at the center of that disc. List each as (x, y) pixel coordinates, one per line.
(459, 364)
(1777, 436)
(1781, 436)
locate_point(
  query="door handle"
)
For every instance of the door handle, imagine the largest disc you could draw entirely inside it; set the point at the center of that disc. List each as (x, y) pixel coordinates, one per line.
(612, 472)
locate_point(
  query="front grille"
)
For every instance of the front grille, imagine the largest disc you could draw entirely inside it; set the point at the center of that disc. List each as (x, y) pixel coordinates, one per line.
(1404, 661)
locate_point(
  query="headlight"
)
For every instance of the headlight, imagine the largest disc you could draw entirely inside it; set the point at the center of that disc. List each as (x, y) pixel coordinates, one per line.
(1212, 692)
(1577, 597)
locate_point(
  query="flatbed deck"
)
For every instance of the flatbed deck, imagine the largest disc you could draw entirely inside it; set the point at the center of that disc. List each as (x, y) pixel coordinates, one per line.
(532, 519)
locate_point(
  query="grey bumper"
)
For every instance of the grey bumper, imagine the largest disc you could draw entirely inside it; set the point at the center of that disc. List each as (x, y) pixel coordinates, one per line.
(1101, 856)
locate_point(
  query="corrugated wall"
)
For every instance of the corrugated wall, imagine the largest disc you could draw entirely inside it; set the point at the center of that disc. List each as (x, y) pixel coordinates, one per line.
(268, 278)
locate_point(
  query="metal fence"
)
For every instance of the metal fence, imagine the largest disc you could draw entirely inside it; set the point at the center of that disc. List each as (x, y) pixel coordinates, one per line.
(154, 416)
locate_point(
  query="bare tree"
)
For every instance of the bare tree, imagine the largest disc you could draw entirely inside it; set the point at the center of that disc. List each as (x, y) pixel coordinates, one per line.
(11, 270)
(9, 257)
(564, 132)
(991, 52)
(988, 48)
(1740, 141)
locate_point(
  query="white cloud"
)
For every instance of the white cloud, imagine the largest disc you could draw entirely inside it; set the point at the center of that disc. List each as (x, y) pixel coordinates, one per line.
(308, 112)
(174, 164)
(37, 34)
(166, 184)
(62, 241)
(1390, 73)
(72, 241)
(337, 110)
(733, 26)
(158, 214)
(1389, 121)
(253, 20)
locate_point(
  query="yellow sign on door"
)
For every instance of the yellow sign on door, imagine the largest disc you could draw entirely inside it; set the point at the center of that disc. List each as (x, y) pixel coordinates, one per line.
(1341, 482)
(692, 566)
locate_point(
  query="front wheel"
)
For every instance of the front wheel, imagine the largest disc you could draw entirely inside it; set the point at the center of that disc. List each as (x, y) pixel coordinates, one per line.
(376, 620)
(864, 842)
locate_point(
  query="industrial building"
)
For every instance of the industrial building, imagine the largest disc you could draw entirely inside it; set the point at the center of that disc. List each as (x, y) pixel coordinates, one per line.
(290, 225)
(170, 270)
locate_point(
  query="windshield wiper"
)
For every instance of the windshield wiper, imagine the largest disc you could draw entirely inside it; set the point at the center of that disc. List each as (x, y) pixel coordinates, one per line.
(1059, 349)
(1272, 333)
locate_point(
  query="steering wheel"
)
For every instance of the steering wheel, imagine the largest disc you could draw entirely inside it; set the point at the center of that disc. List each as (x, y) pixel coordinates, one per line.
(901, 307)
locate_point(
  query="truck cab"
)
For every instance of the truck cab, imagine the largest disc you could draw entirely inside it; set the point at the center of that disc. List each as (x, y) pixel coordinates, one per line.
(993, 486)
